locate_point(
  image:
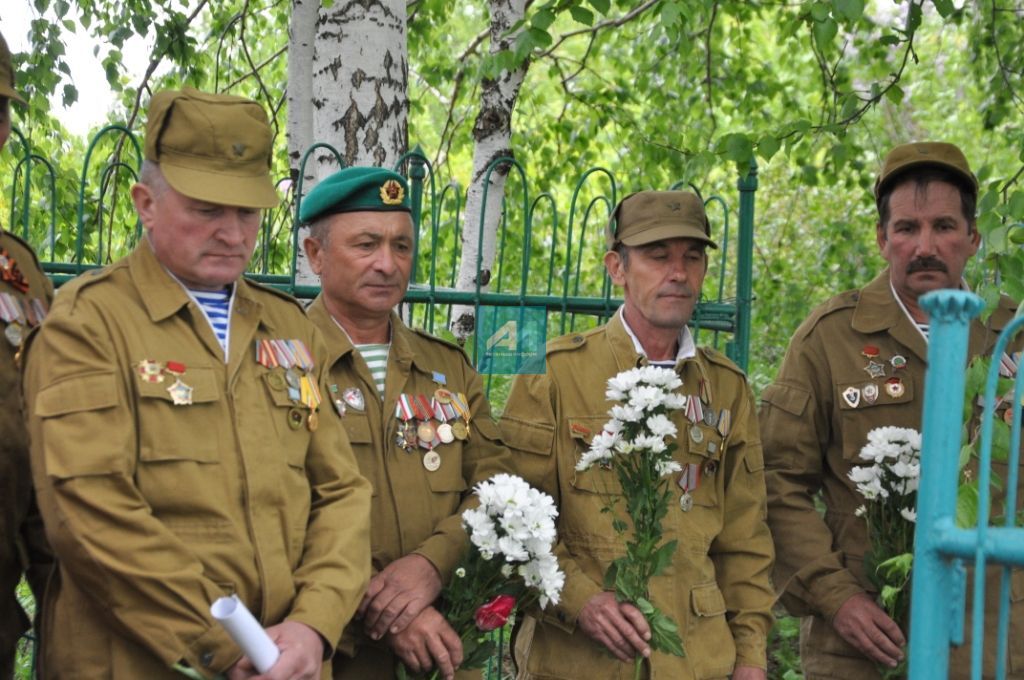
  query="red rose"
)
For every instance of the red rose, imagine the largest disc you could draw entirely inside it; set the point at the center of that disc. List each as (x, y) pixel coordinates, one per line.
(495, 613)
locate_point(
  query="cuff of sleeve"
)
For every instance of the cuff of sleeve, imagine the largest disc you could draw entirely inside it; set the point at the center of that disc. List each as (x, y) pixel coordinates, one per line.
(575, 595)
(328, 626)
(832, 591)
(213, 652)
(752, 650)
(444, 552)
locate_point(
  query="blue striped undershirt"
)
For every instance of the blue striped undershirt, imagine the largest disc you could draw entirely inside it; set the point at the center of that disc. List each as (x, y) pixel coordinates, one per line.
(216, 306)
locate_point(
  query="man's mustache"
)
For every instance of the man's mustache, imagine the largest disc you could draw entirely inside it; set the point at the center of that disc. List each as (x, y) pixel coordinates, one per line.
(927, 264)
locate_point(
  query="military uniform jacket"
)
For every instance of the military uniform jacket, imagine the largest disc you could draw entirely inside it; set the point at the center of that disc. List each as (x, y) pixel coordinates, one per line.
(414, 510)
(155, 509)
(22, 541)
(813, 435)
(717, 588)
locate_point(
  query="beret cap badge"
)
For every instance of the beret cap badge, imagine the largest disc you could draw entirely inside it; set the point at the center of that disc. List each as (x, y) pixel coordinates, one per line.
(392, 193)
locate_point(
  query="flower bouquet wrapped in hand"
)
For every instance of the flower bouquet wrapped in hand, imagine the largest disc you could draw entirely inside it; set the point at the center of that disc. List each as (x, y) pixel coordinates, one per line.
(637, 445)
(509, 564)
(889, 487)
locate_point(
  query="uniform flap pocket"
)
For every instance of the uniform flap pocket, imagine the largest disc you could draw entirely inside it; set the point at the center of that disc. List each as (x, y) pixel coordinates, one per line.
(201, 380)
(597, 479)
(448, 477)
(792, 400)
(527, 436)
(277, 386)
(357, 427)
(871, 393)
(707, 600)
(486, 426)
(91, 392)
(583, 429)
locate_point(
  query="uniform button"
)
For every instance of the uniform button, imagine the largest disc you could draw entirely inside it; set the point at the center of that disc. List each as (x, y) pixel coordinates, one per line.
(578, 339)
(206, 658)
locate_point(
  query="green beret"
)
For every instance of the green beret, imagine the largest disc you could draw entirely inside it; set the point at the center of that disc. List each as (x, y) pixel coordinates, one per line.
(356, 189)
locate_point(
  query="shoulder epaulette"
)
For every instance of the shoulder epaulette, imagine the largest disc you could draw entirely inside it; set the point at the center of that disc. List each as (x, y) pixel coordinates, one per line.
(447, 344)
(845, 300)
(573, 340)
(716, 357)
(25, 244)
(73, 288)
(279, 293)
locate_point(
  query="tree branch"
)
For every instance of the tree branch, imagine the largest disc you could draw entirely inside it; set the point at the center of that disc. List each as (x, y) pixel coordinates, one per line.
(608, 23)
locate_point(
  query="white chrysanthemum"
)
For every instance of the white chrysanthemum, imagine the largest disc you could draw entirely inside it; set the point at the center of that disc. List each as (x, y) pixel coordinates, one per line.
(543, 574)
(660, 425)
(626, 413)
(861, 511)
(909, 514)
(646, 398)
(667, 467)
(625, 381)
(649, 442)
(674, 402)
(863, 474)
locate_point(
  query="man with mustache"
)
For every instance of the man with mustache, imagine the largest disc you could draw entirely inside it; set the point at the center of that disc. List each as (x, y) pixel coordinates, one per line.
(717, 589)
(858, 363)
(416, 415)
(174, 461)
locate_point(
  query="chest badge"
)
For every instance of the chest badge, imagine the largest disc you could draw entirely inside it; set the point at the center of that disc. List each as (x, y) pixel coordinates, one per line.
(895, 388)
(875, 369)
(353, 396)
(851, 395)
(870, 393)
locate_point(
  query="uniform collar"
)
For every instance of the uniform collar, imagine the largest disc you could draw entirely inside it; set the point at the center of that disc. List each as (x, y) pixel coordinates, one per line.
(628, 353)
(339, 343)
(878, 311)
(163, 295)
(686, 350)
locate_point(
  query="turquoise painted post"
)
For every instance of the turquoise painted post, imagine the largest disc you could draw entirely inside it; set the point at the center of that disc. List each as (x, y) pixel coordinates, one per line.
(931, 611)
(745, 268)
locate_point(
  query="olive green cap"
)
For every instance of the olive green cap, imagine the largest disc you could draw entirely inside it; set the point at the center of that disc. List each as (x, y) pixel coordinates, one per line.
(356, 189)
(907, 157)
(7, 73)
(212, 147)
(648, 216)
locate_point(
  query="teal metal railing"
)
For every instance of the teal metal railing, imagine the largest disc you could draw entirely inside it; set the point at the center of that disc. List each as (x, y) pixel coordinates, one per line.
(941, 548)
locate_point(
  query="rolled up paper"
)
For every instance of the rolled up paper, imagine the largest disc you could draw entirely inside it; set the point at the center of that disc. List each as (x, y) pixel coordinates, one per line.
(246, 631)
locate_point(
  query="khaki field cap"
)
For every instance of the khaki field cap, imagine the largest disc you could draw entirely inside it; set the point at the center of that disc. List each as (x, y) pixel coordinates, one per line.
(648, 216)
(906, 157)
(212, 147)
(7, 73)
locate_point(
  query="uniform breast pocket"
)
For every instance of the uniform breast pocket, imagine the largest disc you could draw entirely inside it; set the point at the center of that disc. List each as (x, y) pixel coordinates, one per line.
(596, 479)
(865, 405)
(360, 436)
(170, 431)
(701, 447)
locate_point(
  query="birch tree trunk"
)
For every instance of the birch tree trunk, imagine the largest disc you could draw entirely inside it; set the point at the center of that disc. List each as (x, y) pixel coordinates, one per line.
(492, 132)
(358, 74)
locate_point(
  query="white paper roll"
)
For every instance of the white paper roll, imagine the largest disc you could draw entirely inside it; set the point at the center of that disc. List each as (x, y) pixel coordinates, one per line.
(246, 631)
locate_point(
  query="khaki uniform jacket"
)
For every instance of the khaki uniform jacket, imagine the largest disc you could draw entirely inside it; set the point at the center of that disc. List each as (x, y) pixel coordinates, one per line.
(413, 510)
(812, 438)
(717, 589)
(23, 545)
(155, 510)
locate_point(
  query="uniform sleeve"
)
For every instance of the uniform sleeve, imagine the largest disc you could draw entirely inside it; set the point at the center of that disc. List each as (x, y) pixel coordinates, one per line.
(530, 426)
(483, 456)
(83, 436)
(742, 551)
(335, 565)
(796, 429)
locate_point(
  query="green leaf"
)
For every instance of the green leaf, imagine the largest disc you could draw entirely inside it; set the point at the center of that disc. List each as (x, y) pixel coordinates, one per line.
(851, 10)
(736, 147)
(601, 6)
(894, 94)
(967, 505)
(582, 15)
(914, 18)
(543, 19)
(1016, 205)
(819, 11)
(944, 7)
(889, 39)
(824, 32)
(768, 147)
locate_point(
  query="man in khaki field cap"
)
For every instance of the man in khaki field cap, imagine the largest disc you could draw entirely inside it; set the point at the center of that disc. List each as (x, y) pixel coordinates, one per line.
(858, 363)
(717, 589)
(179, 445)
(23, 545)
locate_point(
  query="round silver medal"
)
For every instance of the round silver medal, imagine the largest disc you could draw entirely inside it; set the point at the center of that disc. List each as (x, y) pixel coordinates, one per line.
(431, 461)
(14, 333)
(445, 434)
(686, 502)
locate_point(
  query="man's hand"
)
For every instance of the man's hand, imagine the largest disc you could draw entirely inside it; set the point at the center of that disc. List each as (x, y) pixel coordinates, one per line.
(428, 642)
(619, 626)
(749, 673)
(302, 653)
(398, 594)
(864, 625)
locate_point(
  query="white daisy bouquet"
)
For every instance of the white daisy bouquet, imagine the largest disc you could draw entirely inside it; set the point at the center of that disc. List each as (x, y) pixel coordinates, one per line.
(637, 444)
(889, 487)
(509, 565)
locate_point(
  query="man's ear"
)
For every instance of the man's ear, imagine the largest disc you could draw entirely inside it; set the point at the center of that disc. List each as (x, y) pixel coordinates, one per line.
(314, 250)
(145, 204)
(616, 267)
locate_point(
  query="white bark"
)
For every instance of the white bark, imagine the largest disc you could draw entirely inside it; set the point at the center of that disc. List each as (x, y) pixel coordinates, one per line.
(301, 36)
(492, 133)
(358, 74)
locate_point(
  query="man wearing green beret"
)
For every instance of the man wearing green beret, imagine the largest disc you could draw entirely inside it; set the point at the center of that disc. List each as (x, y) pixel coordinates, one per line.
(23, 547)
(415, 412)
(717, 588)
(179, 444)
(856, 364)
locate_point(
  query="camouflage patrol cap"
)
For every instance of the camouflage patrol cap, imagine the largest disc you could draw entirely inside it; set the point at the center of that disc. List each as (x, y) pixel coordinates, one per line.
(648, 216)
(7, 73)
(907, 157)
(212, 147)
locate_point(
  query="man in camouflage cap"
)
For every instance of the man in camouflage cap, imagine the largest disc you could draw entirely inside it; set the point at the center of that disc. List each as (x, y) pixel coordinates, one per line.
(717, 590)
(415, 412)
(856, 364)
(179, 445)
(22, 541)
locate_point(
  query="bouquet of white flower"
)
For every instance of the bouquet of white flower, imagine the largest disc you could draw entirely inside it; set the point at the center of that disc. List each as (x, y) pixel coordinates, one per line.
(509, 564)
(889, 485)
(636, 445)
